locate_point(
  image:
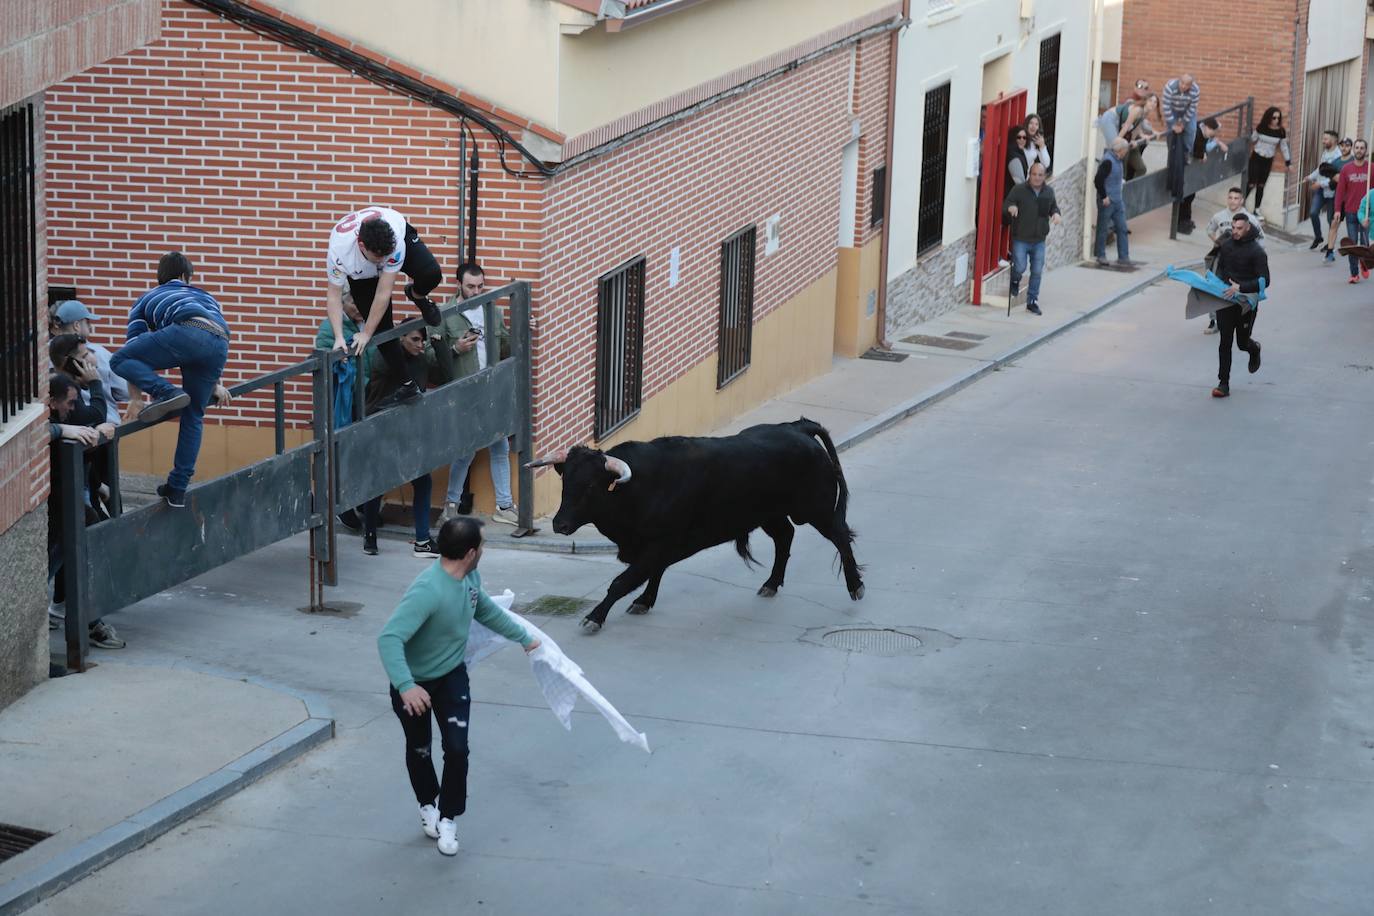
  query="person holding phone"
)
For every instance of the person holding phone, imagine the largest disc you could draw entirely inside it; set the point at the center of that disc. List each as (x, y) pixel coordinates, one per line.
(70, 316)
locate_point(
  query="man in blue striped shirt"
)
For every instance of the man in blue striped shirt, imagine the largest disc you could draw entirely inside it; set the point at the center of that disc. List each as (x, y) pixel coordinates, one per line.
(175, 325)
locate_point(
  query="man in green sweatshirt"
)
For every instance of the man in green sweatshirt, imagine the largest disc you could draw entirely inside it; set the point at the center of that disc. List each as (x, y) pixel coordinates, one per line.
(422, 648)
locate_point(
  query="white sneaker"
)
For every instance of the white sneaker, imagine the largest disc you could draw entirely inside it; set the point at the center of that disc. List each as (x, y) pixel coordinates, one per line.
(450, 511)
(448, 837)
(429, 821)
(506, 516)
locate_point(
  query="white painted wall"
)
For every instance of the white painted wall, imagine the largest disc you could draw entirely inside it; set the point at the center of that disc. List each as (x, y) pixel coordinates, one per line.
(953, 46)
(1328, 43)
(1110, 45)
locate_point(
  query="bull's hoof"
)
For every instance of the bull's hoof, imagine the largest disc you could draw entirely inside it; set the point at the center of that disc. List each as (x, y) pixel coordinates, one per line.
(637, 608)
(590, 627)
(857, 594)
(767, 591)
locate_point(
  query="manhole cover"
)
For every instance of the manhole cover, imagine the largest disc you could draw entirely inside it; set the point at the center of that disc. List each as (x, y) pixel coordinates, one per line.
(872, 640)
(944, 343)
(556, 606)
(14, 840)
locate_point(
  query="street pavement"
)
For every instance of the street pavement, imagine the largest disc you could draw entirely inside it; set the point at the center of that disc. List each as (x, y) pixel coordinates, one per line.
(1144, 684)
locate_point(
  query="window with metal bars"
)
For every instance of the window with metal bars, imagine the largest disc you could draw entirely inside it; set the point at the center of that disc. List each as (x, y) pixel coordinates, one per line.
(18, 263)
(619, 346)
(875, 209)
(734, 342)
(1047, 89)
(930, 215)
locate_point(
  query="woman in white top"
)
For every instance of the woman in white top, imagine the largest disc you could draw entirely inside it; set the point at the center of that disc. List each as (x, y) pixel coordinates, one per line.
(1037, 144)
(1266, 139)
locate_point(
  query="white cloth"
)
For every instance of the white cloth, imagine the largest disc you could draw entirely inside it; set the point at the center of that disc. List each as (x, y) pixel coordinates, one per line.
(559, 677)
(477, 317)
(116, 389)
(345, 261)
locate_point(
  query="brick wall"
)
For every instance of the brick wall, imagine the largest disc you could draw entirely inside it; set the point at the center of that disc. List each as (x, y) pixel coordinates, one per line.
(870, 102)
(773, 150)
(244, 153)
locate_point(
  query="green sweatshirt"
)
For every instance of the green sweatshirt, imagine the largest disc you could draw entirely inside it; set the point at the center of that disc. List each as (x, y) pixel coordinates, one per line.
(427, 634)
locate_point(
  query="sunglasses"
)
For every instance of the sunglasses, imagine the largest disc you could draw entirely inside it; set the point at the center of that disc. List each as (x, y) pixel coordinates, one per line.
(1020, 136)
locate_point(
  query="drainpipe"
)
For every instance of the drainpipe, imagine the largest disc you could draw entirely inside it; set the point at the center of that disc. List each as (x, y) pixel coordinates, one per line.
(894, 40)
(1090, 124)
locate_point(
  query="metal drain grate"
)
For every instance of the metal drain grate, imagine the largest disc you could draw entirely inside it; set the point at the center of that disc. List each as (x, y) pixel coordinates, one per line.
(14, 840)
(965, 335)
(886, 356)
(872, 640)
(944, 343)
(556, 606)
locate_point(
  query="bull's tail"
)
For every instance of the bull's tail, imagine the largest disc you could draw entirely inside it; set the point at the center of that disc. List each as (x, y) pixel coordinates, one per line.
(742, 548)
(812, 428)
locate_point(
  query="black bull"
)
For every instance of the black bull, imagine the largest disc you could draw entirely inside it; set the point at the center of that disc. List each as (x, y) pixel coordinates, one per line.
(663, 501)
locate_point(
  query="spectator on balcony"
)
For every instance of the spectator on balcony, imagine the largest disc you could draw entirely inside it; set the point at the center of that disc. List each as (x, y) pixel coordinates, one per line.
(1181, 97)
(1207, 140)
(1031, 209)
(381, 394)
(1266, 139)
(178, 325)
(367, 249)
(462, 333)
(70, 354)
(63, 400)
(70, 316)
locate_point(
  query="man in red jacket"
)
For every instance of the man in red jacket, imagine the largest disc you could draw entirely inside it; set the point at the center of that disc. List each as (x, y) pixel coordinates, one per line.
(1350, 191)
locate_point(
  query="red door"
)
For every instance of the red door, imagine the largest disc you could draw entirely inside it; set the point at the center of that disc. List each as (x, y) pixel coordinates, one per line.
(993, 242)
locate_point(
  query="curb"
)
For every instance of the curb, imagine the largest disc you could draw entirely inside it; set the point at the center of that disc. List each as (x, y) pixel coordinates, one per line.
(865, 431)
(146, 825)
(934, 395)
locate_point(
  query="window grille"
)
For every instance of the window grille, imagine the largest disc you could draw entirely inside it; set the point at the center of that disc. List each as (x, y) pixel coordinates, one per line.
(930, 215)
(875, 209)
(736, 305)
(619, 346)
(1047, 90)
(18, 263)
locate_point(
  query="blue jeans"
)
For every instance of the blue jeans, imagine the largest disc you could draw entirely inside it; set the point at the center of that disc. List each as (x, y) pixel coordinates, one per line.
(1320, 202)
(1019, 252)
(1359, 235)
(200, 355)
(498, 453)
(1113, 215)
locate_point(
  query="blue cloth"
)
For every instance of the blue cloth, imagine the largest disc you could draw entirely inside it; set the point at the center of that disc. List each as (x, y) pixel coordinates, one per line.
(1359, 235)
(1115, 177)
(200, 355)
(1034, 252)
(1112, 216)
(345, 376)
(1213, 285)
(170, 303)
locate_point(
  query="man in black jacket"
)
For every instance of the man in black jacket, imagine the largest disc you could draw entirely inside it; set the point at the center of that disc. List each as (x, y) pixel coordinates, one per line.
(1242, 264)
(1030, 207)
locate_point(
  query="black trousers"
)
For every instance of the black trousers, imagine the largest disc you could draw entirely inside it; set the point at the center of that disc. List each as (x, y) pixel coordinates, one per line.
(1256, 176)
(451, 704)
(424, 272)
(1232, 325)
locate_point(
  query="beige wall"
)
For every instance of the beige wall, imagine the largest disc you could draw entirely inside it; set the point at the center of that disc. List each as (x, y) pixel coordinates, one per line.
(505, 51)
(856, 283)
(1109, 43)
(607, 75)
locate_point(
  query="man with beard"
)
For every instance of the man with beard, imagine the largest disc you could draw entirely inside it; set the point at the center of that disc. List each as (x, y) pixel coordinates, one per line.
(1242, 264)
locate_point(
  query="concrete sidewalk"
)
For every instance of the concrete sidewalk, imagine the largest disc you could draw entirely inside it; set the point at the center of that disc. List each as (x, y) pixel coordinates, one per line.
(111, 759)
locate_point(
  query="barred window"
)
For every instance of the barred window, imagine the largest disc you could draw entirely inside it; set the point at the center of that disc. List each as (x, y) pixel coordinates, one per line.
(619, 346)
(875, 210)
(1047, 89)
(18, 263)
(930, 215)
(736, 305)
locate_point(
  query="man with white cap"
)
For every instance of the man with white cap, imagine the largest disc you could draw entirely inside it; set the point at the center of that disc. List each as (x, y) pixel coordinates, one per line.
(70, 316)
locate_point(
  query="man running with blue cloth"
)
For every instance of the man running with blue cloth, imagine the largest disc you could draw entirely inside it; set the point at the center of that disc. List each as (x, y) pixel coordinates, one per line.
(175, 325)
(1244, 267)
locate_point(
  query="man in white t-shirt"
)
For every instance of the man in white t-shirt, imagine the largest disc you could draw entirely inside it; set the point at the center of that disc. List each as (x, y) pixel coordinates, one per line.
(367, 249)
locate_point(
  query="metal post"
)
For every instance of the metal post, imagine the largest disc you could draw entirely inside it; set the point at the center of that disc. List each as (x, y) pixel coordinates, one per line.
(279, 414)
(323, 478)
(491, 320)
(71, 482)
(520, 334)
(116, 495)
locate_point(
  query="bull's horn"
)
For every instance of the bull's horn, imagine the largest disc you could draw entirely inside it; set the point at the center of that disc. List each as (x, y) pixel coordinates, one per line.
(556, 458)
(615, 465)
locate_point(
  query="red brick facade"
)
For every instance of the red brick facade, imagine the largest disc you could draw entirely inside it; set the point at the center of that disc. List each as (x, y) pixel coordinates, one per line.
(243, 153)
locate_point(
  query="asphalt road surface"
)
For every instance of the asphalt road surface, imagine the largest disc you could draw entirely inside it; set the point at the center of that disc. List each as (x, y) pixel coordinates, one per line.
(1143, 684)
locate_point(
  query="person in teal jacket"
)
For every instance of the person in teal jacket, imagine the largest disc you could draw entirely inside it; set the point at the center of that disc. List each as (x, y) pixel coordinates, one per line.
(422, 648)
(324, 337)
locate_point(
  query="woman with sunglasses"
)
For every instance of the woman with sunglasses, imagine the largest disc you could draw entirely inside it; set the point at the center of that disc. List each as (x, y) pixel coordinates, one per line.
(1018, 158)
(1266, 139)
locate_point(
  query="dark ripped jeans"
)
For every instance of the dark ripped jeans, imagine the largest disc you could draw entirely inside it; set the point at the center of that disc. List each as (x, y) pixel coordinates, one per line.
(450, 705)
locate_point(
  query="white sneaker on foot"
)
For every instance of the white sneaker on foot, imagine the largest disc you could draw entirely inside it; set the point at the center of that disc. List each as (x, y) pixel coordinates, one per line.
(450, 511)
(448, 836)
(429, 821)
(506, 516)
